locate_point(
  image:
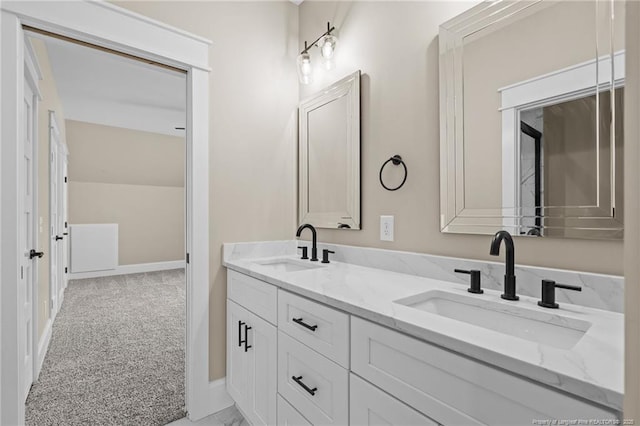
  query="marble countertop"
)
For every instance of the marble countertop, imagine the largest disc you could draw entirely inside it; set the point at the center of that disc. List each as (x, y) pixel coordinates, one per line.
(593, 368)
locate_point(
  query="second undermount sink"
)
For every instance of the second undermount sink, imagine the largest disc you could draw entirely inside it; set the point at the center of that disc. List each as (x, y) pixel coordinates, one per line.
(551, 329)
(287, 265)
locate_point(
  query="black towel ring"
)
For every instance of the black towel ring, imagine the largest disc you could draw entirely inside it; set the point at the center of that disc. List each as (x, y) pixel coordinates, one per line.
(396, 159)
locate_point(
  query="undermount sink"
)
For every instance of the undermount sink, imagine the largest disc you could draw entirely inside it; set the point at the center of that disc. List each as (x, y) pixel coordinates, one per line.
(552, 329)
(287, 265)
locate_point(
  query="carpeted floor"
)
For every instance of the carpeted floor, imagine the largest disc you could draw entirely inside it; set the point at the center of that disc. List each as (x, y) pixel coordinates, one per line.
(116, 355)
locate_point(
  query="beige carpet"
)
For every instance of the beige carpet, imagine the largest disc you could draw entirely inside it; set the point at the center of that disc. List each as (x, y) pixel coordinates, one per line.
(116, 355)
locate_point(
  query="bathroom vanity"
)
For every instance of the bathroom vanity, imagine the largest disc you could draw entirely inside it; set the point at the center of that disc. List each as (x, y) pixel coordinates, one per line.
(339, 343)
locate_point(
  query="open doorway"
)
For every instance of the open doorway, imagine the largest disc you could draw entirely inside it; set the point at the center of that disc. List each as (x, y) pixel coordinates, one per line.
(112, 216)
(109, 27)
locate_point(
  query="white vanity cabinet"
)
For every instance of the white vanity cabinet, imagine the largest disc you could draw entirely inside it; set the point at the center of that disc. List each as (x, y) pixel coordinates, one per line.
(294, 361)
(453, 389)
(252, 348)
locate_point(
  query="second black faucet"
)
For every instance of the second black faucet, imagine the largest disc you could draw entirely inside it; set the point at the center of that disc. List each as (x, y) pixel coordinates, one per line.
(509, 261)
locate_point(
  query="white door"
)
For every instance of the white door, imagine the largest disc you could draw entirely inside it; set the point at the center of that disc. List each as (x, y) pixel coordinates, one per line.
(27, 238)
(54, 165)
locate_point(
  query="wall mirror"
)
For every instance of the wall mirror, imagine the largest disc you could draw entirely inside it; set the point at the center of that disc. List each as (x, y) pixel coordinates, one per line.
(531, 124)
(329, 156)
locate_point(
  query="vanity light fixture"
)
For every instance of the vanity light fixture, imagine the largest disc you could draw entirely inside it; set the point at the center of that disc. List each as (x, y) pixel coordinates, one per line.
(305, 70)
(327, 43)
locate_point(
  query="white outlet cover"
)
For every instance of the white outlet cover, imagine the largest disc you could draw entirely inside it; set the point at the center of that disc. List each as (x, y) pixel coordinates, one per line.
(386, 228)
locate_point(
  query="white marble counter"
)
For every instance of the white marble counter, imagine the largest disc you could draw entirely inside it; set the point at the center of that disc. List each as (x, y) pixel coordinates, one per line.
(592, 369)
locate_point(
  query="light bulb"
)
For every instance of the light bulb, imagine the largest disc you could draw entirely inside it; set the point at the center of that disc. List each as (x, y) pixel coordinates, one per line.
(328, 50)
(305, 70)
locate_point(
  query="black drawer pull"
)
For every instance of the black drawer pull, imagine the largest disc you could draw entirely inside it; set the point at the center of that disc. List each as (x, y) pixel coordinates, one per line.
(240, 341)
(304, 324)
(298, 380)
(246, 337)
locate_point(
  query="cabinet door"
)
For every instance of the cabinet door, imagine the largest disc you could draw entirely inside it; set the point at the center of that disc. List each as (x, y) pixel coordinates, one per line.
(263, 386)
(251, 364)
(237, 360)
(371, 406)
(289, 416)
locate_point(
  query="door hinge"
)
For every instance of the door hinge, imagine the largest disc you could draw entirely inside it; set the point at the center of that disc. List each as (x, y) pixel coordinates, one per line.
(187, 258)
(22, 272)
(65, 225)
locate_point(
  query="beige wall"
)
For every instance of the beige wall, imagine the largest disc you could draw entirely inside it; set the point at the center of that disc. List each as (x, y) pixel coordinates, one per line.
(253, 96)
(400, 115)
(50, 102)
(150, 218)
(132, 178)
(109, 154)
(632, 207)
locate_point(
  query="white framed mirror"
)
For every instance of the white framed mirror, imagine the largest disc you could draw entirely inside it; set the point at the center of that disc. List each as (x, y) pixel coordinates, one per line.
(329, 156)
(531, 125)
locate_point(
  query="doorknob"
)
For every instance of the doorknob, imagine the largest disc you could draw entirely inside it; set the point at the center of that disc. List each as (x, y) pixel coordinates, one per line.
(34, 253)
(58, 237)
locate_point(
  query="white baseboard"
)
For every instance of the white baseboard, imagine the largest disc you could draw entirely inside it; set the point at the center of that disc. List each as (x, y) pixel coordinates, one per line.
(43, 347)
(129, 269)
(217, 399)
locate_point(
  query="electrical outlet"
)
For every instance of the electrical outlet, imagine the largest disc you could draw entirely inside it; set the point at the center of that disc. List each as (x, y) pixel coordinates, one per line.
(386, 228)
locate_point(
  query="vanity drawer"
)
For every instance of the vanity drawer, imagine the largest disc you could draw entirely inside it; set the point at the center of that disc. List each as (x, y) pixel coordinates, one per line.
(453, 389)
(289, 416)
(371, 406)
(326, 402)
(321, 328)
(256, 296)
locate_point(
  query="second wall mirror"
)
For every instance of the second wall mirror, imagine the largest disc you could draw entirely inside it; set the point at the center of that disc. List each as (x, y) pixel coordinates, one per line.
(532, 119)
(329, 156)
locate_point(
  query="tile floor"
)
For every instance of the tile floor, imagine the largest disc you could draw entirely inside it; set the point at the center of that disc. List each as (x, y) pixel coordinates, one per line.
(227, 417)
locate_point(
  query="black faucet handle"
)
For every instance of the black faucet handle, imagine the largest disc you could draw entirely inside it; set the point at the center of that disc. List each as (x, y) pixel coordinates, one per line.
(325, 255)
(304, 252)
(549, 293)
(475, 286)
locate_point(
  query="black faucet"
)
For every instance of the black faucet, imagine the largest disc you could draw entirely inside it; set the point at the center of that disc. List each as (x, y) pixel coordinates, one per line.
(509, 259)
(314, 248)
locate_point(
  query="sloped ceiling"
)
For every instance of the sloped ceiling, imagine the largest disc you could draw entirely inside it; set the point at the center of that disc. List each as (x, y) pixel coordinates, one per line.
(99, 87)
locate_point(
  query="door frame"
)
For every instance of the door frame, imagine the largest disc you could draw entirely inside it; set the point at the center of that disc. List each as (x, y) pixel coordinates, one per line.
(118, 29)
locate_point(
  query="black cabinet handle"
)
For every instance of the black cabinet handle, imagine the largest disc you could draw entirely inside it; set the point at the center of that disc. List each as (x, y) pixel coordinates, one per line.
(246, 337)
(58, 237)
(304, 324)
(34, 253)
(240, 341)
(298, 380)
(65, 233)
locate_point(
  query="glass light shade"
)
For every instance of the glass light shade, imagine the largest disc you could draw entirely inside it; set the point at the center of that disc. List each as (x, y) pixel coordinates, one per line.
(305, 70)
(328, 49)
